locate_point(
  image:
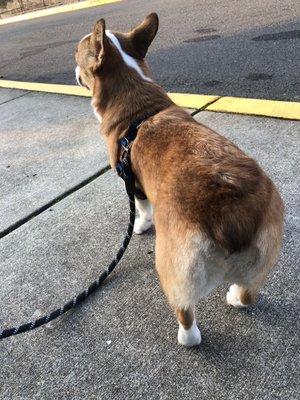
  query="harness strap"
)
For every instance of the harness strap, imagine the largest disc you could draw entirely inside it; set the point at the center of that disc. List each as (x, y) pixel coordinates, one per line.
(123, 167)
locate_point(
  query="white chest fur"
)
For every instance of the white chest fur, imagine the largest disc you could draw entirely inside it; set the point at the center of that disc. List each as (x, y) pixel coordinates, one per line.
(96, 112)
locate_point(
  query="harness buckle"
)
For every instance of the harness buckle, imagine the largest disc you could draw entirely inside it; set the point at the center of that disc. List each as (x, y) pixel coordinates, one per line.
(123, 167)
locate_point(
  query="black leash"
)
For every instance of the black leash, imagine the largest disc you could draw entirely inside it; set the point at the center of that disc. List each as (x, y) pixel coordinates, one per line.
(125, 172)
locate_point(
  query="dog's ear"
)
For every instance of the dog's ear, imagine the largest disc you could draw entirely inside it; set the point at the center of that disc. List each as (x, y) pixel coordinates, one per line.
(100, 42)
(143, 34)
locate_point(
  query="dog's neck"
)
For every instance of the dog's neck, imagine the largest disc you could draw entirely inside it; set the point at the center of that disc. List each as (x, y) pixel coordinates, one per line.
(130, 101)
(120, 99)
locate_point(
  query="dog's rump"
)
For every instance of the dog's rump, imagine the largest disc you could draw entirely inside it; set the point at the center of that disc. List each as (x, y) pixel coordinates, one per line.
(232, 200)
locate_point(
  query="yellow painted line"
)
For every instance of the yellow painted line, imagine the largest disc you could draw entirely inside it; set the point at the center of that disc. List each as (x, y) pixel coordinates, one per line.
(266, 108)
(46, 87)
(182, 99)
(56, 10)
(192, 100)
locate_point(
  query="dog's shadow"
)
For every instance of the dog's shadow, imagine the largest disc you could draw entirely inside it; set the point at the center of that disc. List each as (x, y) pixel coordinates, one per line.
(268, 324)
(274, 313)
(150, 232)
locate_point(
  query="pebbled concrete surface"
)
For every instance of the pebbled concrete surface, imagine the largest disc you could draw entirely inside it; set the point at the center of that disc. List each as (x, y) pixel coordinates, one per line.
(232, 48)
(121, 344)
(48, 144)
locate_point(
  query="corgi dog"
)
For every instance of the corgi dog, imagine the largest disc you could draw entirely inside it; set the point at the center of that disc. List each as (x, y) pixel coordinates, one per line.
(218, 217)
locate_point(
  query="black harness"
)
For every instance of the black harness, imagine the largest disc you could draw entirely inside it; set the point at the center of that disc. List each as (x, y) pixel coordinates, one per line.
(124, 165)
(125, 172)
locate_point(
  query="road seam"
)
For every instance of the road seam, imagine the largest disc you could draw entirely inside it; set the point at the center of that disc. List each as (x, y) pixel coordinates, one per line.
(52, 202)
(56, 10)
(237, 105)
(204, 107)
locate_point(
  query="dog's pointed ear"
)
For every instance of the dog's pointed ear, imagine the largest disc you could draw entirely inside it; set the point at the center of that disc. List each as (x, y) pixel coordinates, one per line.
(100, 41)
(143, 34)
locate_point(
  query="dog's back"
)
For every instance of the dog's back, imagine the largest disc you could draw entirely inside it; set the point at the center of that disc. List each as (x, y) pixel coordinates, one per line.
(205, 178)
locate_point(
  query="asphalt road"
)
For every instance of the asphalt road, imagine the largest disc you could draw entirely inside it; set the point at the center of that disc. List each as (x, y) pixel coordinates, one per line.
(236, 48)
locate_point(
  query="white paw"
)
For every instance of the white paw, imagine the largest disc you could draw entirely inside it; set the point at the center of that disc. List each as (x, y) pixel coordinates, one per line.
(233, 297)
(189, 337)
(141, 225)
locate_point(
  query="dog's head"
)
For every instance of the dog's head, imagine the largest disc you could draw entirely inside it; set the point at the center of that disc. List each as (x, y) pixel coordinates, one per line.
(110, 56)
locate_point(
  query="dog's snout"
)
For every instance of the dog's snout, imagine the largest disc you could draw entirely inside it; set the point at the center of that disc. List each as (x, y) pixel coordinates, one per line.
(79, 79)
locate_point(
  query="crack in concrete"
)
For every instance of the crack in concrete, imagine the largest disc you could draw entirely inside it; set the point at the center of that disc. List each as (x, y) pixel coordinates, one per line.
(52, 202)
(15, 98)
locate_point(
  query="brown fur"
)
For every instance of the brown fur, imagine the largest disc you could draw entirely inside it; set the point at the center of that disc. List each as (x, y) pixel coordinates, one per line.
(204, 189)
(185, 317)
(227, 192)
(247, 297)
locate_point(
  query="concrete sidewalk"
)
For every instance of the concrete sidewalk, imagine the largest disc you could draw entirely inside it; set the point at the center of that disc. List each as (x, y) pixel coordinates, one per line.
(121, 344)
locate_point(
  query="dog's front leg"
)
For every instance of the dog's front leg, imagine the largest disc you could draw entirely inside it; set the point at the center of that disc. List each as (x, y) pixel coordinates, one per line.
(145, 220)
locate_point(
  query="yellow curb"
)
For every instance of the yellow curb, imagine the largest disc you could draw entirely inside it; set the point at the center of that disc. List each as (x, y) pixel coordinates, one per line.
(56, 10)
(191, 100)
(182, 99)
(46, 87)
(266, 108)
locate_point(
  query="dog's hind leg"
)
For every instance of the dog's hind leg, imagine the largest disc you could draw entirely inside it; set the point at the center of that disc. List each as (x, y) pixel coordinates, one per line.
(268, 244)
(245, 290)
(145, 219)
(176, 264)
(188, 332)
(241, 296)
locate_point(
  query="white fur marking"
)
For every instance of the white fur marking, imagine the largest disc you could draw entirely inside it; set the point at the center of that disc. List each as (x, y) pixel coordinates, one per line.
(189, 337)
(145, 221)
(130, 61)
(96, 113)
(233, 297)
(77, 74)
